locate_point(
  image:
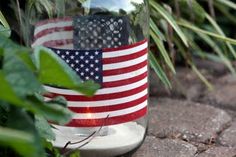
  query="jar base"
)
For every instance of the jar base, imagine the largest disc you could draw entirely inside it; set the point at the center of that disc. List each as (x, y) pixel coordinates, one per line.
(120, 139)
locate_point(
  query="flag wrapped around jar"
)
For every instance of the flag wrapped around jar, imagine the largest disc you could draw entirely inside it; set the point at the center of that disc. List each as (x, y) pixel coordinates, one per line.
(106, 42)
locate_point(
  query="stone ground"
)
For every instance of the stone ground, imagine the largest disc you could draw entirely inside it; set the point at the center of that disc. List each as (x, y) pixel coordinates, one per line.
(190, 120)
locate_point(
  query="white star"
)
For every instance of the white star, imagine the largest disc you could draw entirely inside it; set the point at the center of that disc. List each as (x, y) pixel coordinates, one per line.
(91, 57)
(63, 56)
(67, 61)
(96, 61)
(86, 61)
(72, 65)
(96, 53)
(67, 52)
(72, 57)
(81, 57)
(96, 69)
(92, 73)
(77, 69)
(76, 61)
(58, 52)
(81, 65)
(87, 69)
(87, 78)
(91, 65)
(97, 77)
(82, 74)
(86, 53)
(76, 53)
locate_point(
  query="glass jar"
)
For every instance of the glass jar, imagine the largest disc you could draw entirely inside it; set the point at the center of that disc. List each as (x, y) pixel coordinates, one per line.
(105, 41)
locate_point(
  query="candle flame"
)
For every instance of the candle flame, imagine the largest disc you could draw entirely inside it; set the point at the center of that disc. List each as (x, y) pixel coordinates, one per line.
(90, 115)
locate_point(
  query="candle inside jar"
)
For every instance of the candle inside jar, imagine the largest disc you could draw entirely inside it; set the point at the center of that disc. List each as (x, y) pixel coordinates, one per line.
(113, 140)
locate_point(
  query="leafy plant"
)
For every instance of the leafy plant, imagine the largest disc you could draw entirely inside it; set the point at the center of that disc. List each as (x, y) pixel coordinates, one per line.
(185, 26)
(4, 26)
(23, 111)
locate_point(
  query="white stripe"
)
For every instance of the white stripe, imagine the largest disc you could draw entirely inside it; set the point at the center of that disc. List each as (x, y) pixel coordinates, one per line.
(125, 64)
(125, 76)
(58, 24)
(100, 91)
(129, 51)
(112, 113)
(105, 102)
(53, 36)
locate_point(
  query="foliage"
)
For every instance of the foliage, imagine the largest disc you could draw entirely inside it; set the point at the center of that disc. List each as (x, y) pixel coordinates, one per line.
(185, 29)
(23, 112)
(24, 115)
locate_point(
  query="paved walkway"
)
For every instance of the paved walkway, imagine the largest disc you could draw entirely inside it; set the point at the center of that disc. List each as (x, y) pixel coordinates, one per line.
(191, 121)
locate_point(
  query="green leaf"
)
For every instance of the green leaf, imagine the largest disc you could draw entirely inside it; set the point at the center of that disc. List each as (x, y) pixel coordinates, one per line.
(60, 7)
(4, 21)
(10, 47)
(156, 30)
(4, 108)
(217, 49)
(196, 29)
(170, 19)
(204, 35)
(5, 29)
(19, 119)
(7, 94)
(190, 62)
(199, 74)
(220, 31)
(56, 113)
(60, 100)
(157, 68)
(44, 128)
(163, 51)
(20, 141)
(20, 76)
(54, 71)
(27, 59)
(197, 12)
(228, 3)
(226, 12)
(217, 28)
(41, 6)
(51, 111)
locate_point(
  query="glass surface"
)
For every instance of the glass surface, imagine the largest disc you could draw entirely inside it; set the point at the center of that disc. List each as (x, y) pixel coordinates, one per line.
(81, 26)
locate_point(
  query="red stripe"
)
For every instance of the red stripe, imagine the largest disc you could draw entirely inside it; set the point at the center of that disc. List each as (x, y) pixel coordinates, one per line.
(53, 30)
(124, 47)
(124, 58)
(102, 96)
(124, 82)
(55, 43)
(125, 70)
(120, 83)
(108, 121)
(106, 108)
(44, 22)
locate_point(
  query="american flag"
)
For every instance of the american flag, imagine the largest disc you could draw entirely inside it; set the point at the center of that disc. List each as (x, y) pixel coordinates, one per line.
(121, 71)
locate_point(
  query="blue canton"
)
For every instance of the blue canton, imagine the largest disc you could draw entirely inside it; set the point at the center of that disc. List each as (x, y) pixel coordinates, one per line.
(86, 63)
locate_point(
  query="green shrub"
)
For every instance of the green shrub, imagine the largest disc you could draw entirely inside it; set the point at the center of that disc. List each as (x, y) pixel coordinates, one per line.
(24, 114)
